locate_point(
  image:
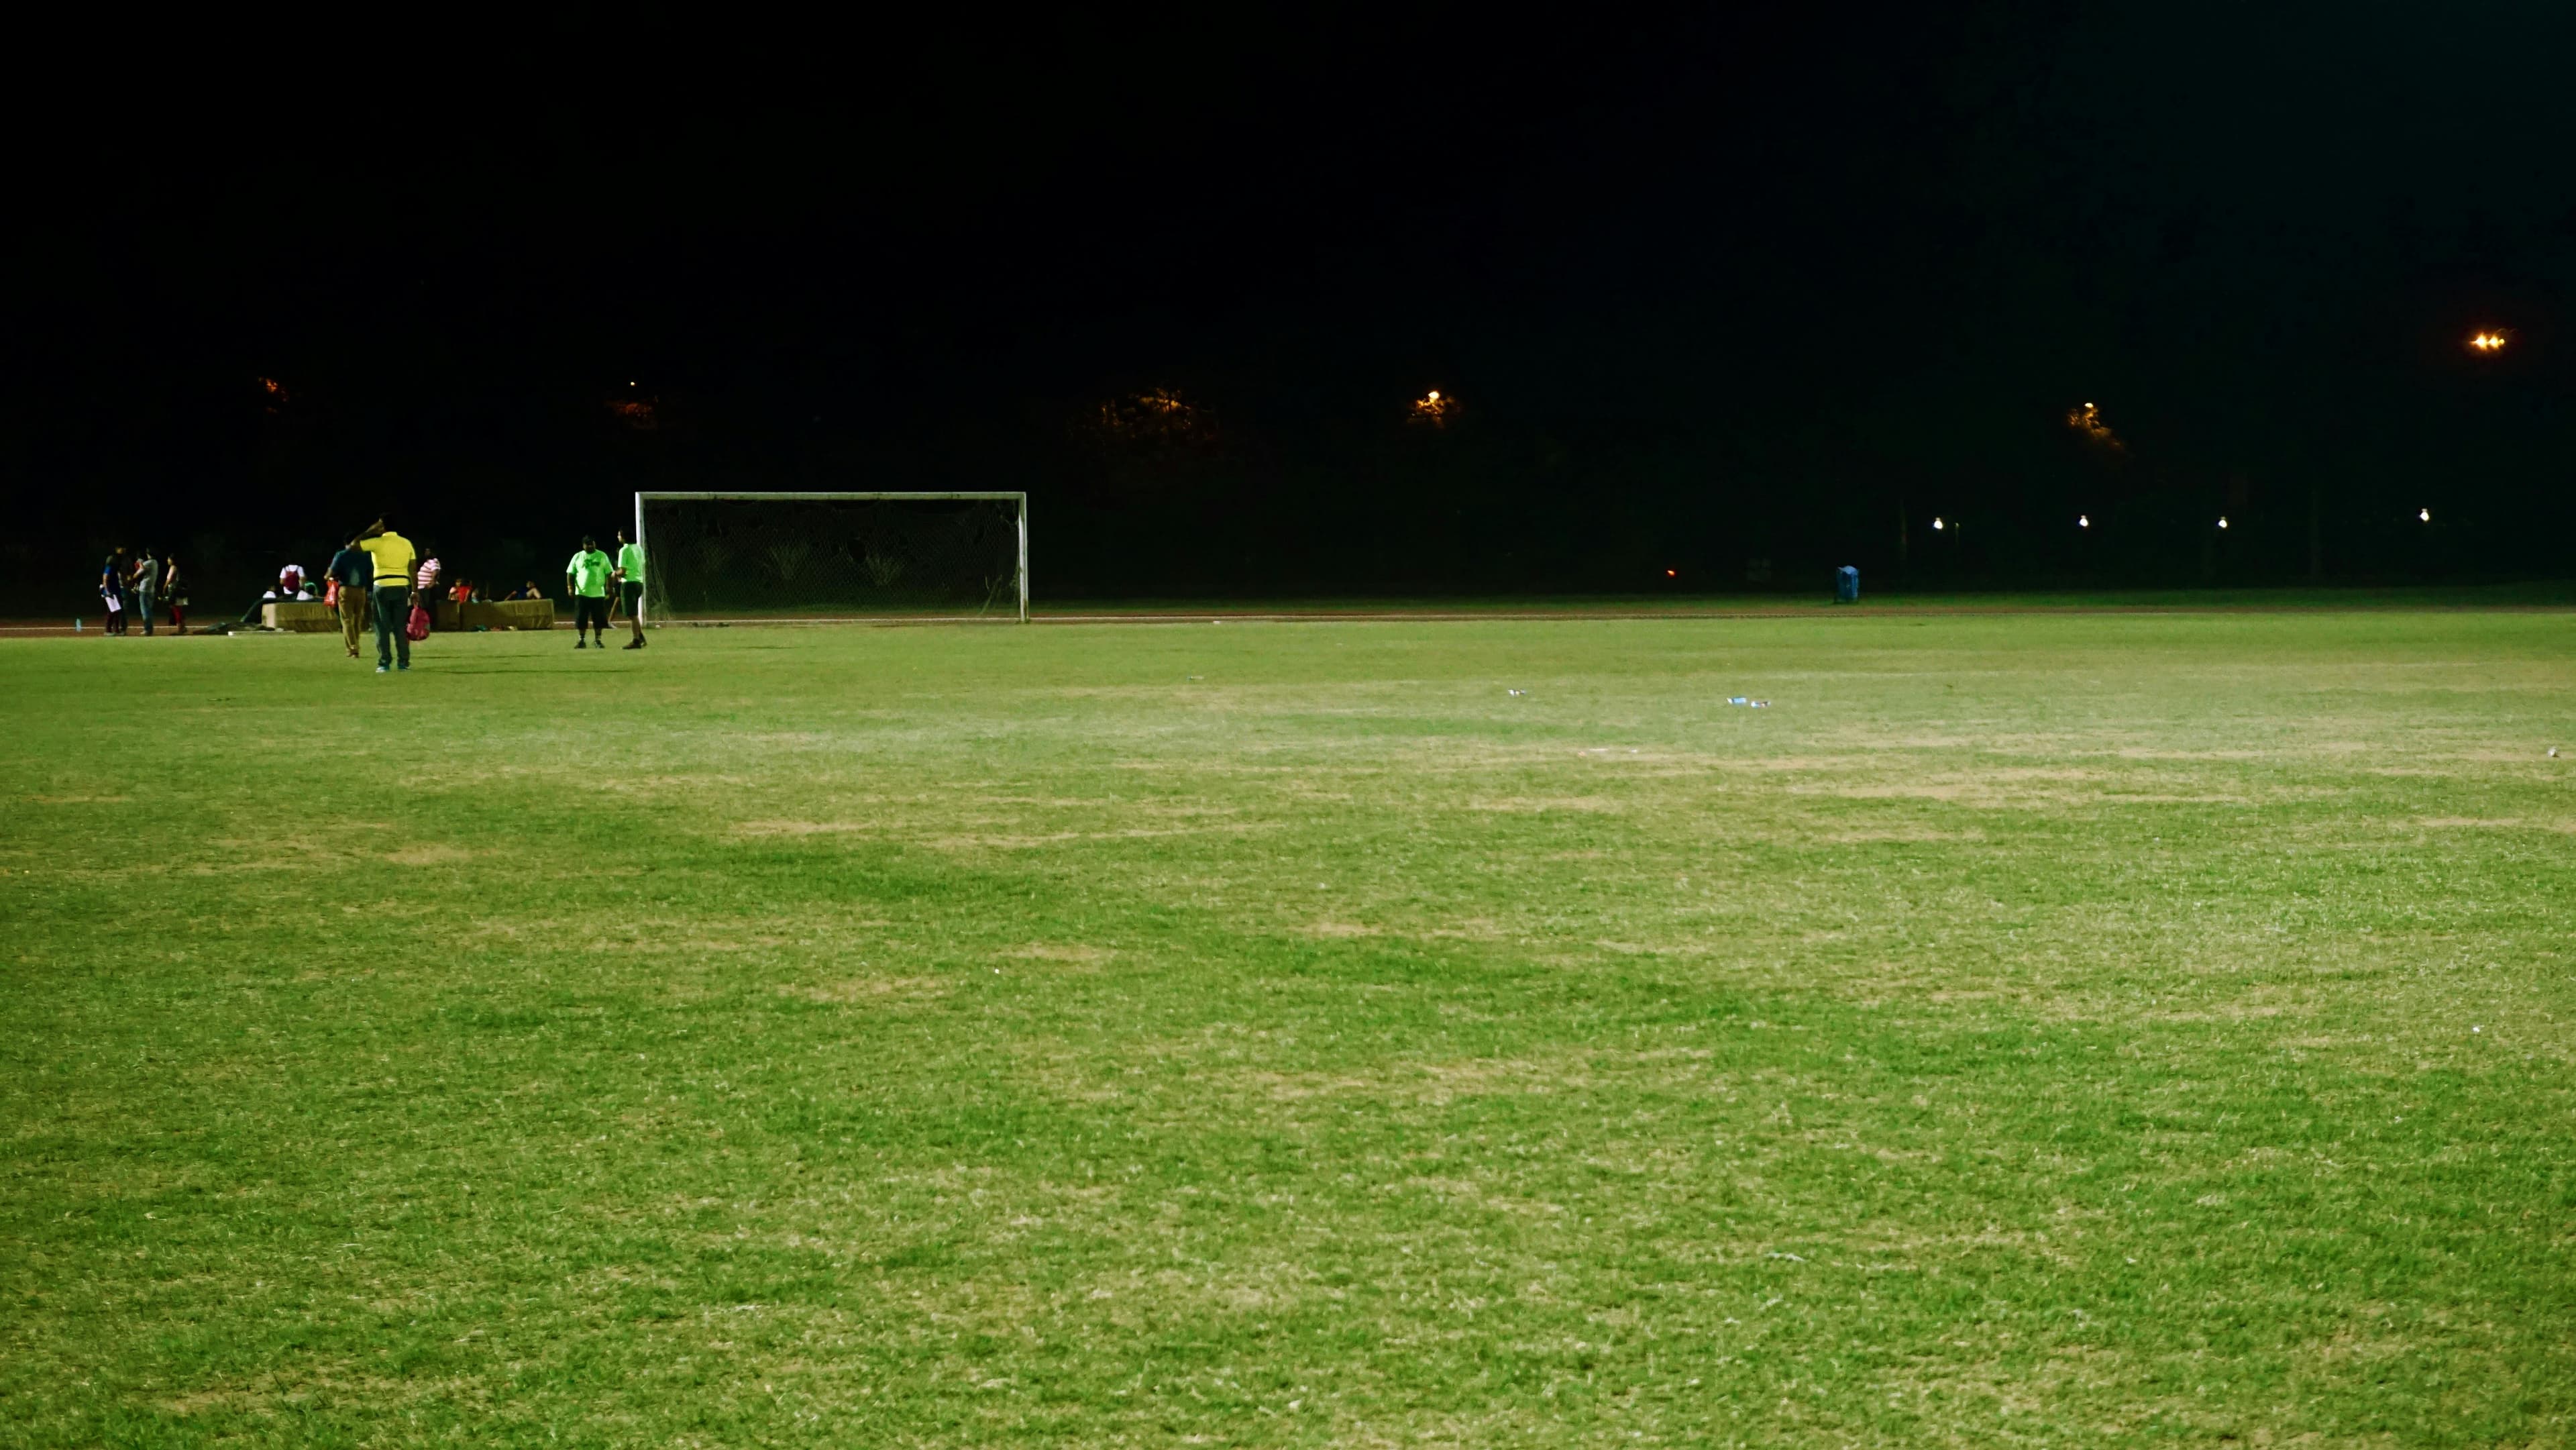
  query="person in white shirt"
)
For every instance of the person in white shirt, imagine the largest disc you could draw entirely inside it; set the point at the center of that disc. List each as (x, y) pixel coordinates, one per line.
(425, 583)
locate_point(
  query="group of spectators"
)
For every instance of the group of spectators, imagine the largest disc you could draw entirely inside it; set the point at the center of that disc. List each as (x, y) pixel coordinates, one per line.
(380, 577)
(130, 587)
(293, 585)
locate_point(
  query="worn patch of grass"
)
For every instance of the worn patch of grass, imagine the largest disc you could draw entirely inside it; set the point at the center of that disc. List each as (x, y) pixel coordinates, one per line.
(2110, 1029)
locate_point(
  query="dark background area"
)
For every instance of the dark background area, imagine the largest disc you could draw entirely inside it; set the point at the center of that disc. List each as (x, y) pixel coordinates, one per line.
(1707, 287)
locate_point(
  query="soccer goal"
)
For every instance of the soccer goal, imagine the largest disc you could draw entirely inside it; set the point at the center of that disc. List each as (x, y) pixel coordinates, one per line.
(724, 558)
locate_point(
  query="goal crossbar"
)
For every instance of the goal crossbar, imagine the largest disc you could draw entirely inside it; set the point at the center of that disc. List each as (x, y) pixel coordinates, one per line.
(661, 495)
(1017, 498)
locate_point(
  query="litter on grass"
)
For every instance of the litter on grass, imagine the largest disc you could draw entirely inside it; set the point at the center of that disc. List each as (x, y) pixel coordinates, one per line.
(1524, 692)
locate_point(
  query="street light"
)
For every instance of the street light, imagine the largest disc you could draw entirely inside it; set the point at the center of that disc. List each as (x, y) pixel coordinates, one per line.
(2082, 522)
(2424, 514)
(2487, 342)
(2222, 521)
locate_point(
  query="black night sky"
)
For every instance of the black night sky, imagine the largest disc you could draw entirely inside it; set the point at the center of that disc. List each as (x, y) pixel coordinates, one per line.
(1707, 286)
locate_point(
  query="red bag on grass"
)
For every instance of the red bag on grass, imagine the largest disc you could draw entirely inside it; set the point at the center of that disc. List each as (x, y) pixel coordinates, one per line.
(417, 627)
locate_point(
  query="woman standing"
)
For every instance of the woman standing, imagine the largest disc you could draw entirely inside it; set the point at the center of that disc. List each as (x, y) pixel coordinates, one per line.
(174, 591)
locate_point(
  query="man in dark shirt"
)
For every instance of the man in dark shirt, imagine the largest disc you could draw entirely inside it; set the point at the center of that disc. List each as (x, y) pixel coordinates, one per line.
(111, 589)
(356, 574)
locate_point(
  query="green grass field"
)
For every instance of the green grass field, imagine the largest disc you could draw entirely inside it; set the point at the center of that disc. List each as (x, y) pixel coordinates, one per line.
(2042, 1029)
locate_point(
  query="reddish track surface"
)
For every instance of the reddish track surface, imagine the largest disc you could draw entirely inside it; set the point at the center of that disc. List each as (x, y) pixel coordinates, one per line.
(2309, 604)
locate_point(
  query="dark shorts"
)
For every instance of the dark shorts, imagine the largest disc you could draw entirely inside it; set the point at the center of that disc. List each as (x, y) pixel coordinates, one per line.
(633, 593)
(589, 612)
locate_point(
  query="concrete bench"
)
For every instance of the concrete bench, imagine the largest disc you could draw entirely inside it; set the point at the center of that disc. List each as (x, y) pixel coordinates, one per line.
(497, 614)
(302, 616)
(314, 617)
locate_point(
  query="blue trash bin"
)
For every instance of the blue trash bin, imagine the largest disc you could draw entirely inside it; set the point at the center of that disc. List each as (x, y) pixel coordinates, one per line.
(1847, 585)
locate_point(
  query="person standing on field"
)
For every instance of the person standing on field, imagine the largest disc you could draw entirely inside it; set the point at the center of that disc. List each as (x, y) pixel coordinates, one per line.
(111, 589)
(391, 592)
(630, 584)
(586, 580)
(355, 574)
(432, 570)
(145, 582)
(174, 593)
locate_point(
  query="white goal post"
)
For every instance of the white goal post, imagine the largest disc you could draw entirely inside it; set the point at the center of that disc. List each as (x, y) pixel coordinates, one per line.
(876, 555)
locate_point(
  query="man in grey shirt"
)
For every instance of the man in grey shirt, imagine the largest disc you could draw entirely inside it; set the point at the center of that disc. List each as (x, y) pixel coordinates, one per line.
(143, 584)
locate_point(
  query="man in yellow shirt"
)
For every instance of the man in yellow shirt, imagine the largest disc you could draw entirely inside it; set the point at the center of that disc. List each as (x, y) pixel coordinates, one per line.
(394, 558)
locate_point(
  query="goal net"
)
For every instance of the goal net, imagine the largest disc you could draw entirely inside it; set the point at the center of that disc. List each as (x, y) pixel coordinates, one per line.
(725, 557)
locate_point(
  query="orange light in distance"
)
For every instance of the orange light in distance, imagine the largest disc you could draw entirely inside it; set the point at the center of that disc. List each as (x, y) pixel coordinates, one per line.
(2486, 342)
(2089, 424)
